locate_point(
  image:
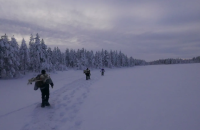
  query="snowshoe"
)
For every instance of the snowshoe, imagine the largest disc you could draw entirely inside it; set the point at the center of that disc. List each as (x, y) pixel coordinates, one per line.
(42, 105)
(47, 104)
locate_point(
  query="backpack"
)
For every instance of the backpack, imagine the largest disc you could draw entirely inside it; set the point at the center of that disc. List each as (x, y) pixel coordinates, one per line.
(41, 80)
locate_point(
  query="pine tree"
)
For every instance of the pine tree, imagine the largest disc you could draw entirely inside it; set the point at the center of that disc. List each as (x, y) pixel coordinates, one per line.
(36, 54)
(103, 58)
(91, 59)
(72, 58)
(24, 57)
(9, 57)
(57, 59)
(67, 57)
(3, 53)
(32, 49)
(98, 60)
(50, 66)
(43, 56)
(107, 59)
(83, 59)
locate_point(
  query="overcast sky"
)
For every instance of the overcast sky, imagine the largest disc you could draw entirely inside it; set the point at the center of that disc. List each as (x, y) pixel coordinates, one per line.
(144, 29)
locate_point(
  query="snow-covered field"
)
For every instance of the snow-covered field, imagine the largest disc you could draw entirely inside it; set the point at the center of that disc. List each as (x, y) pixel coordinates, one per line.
(159, 97)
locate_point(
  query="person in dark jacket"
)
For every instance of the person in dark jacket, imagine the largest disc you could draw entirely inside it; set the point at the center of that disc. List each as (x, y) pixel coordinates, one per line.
(102, 71)
(87, 73)
(45, 88)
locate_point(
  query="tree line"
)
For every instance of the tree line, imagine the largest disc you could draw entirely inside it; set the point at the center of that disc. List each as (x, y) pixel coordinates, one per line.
(16, 59)
(174, 61)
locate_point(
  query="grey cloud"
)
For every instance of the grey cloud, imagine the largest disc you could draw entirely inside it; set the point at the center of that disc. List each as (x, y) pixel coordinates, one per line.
(142, 29)
(181, 19)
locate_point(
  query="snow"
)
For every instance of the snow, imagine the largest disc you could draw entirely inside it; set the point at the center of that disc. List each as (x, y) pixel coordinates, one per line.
(159, 97)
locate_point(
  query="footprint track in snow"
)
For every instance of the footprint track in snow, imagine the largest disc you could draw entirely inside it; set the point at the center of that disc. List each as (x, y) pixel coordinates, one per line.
(66, 103)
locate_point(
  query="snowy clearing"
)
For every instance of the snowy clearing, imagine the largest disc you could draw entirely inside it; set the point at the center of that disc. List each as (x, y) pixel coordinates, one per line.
(159, 97)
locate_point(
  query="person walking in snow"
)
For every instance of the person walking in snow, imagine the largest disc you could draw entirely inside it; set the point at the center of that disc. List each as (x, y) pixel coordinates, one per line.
(87, 73)
(44, 88)
(102, 71)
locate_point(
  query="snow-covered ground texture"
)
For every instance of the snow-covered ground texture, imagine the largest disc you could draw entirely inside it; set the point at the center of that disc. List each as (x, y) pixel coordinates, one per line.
(159, 97)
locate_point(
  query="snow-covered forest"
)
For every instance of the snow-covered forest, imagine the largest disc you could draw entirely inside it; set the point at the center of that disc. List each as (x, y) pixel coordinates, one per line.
(175, 61)
(18, 59)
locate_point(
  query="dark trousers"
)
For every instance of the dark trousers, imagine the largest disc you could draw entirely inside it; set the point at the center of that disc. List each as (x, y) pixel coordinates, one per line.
(87, 76)
(45, 94)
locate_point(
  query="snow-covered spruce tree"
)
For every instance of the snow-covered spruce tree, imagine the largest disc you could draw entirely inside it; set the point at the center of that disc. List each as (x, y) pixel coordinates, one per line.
(58, 59)
(38, 54)
(112, 58)
(126, 61)
(98, 60)
(49, 59)
(119, 59)
(83, 59)
(24, 57)
(78, 59)
(123, 60)
(63, 64)
(91, 59)
(72, 59)
(196, 59)
(9, 58)
(1, 56)
(43, 56)
(115, 58)
(107, 59)
(102, 58)
(67, 57)
(33, 54)
(131, 60)
(3, 53)
(54, 59)
(14, 58)
(62, 61)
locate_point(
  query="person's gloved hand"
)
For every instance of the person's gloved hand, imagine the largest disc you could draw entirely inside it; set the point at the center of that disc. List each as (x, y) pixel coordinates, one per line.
(51, 84)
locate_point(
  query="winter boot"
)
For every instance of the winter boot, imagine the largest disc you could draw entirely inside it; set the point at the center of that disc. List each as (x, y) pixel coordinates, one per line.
(43, 103)
(47, 102)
